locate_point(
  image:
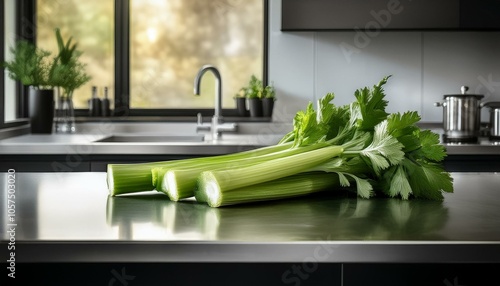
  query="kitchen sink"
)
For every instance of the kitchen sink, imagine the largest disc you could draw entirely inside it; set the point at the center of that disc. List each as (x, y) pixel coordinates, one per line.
(151, 138)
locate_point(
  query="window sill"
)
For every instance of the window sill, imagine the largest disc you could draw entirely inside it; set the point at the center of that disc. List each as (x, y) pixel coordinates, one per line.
(168, 119)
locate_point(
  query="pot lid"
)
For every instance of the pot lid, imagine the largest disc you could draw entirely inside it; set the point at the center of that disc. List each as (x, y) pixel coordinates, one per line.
(464, 93)
(492, 104)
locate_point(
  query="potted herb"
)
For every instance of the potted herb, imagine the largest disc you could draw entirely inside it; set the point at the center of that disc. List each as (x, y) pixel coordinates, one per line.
(69, 74)
(268, 99)
(241, 102)
(254, 93)
(32, 67)
(260, 99)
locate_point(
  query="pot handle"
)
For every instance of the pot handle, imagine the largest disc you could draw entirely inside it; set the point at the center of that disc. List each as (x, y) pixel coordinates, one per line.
(439, 104)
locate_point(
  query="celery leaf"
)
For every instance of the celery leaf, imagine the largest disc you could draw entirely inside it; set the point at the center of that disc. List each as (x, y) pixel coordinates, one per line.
(431, 147)
(371, 106)
(384, 150)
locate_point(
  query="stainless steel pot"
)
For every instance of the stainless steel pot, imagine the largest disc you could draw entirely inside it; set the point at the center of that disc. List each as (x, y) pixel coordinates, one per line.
(461, 116)
(494, 119)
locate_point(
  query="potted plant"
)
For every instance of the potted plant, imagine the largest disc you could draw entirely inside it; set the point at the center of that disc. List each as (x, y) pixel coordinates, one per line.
(69, 74)
(31, 66)
(268, 99)
(254, 93)
(241, 102)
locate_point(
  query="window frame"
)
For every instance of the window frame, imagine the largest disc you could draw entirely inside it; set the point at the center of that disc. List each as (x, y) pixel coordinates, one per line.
(2, 57)
(25, 29)
(122, 69)
(23, 11)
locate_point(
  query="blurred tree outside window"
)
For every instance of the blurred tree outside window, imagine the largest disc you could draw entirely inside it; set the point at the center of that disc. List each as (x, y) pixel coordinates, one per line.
(91, 24)
(170, 40)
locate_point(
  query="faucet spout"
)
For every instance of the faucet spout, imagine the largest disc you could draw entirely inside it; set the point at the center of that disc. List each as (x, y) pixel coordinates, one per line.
(218, 84)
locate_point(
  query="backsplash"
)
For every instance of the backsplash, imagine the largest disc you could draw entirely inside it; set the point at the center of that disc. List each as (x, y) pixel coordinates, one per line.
(304, 66)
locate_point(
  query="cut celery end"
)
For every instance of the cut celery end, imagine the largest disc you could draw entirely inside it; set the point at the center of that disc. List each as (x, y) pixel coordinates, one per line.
(229, 179)
(181, 182)
(199, 165)
(128, 178)
(287, 187)
(138, 177)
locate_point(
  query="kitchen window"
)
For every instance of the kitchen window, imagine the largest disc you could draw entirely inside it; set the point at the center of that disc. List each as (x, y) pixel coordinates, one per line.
(148, 51)
(91, 25)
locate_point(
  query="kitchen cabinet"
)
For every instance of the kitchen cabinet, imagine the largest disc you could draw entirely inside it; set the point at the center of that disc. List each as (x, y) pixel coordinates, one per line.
(67, 226)
(372, 16)
(74, 162)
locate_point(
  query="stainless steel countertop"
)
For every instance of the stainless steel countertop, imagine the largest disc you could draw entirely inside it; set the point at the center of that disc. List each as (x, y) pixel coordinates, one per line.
(250, 135)
(69, 217)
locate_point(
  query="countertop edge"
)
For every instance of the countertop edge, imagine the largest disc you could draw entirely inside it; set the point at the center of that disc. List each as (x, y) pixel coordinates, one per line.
(320, 251)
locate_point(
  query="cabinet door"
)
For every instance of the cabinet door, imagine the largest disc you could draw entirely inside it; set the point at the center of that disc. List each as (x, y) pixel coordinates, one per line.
(317, 15)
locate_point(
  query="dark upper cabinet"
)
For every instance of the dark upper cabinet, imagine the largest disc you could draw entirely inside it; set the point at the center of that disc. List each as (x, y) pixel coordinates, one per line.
(318, 15)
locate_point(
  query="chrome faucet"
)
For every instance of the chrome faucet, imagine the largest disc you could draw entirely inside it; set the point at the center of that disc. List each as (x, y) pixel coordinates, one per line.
(217, 126)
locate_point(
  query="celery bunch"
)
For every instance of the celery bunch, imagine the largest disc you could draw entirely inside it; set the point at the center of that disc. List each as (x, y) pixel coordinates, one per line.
(329, 147)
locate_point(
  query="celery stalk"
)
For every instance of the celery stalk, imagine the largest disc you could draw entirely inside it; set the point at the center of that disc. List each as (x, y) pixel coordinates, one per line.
(287, 187)
(131, 178)
(214, 183)
(180, 182)
(160, 172)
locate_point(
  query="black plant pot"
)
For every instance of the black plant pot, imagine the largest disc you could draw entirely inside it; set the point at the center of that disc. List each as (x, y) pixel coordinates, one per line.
(267, 107)
(255, 107)
(41, 110)
(241, 106)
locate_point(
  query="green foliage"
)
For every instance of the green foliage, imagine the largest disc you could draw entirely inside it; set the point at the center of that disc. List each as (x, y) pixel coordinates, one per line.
(30, 65)
(370, 106)
(269, 92)
(386, 152)
(241, 93)
(66, 51)
(382, 154)
(68, 72)
(33, 67)
(256, 89)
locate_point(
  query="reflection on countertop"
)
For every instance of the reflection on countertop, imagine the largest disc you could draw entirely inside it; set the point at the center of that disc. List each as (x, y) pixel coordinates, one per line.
(324, 216)
(69, 217)
(76, 206)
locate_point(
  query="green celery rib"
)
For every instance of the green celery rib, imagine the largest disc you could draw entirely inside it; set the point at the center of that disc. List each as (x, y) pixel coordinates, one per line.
(218, 182)
(161, 171)
(130, 178)
(287, 187)
(181, 182)
(138, 177)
